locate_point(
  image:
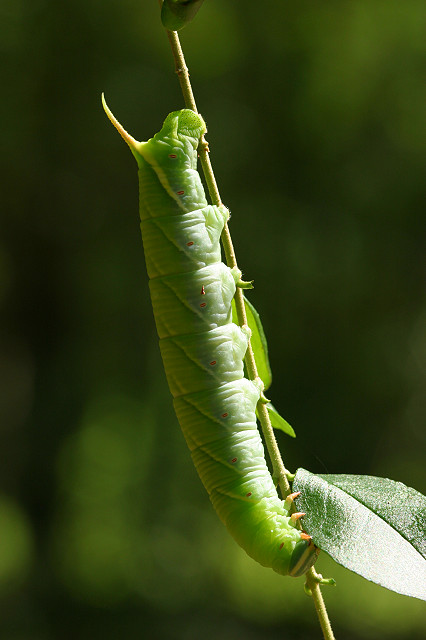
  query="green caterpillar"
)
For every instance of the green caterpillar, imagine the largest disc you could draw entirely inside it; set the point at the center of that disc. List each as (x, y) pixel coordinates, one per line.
(203, 350)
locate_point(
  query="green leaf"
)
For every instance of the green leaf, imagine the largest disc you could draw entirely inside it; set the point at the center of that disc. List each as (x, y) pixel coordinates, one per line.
(260, 351)
(176, 14)
(258, 342)
(278, 422)
(373, 526)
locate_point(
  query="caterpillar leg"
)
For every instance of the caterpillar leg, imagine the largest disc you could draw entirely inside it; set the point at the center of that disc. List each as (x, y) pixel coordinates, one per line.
(296, 516)
(288, 503)
(305, 536)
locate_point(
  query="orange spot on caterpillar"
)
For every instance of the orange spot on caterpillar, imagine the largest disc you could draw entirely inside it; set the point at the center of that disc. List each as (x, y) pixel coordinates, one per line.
(172, 155)
(203, 304)
(225, 415)
(202, 290)
(248, 494)
(305, 536)
(234, 460)
(281, 545)
(189, 244)
(212, 363)
(180, 193)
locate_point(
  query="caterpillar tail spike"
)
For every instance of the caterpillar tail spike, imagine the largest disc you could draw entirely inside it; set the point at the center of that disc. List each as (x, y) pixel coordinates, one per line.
(130, 140)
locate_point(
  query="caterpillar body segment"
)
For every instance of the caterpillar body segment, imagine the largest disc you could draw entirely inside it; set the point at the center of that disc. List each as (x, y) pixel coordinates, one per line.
(196, 246)
(203, 350)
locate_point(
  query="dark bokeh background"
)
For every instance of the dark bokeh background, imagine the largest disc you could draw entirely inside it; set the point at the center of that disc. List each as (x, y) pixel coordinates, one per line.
(317, 131)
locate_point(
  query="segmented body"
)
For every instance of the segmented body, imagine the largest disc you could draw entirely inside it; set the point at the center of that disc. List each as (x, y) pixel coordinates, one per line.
(202, 350)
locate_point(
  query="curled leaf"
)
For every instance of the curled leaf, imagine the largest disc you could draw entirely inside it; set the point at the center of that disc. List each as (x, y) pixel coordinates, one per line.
(258, 342)
(278, 422)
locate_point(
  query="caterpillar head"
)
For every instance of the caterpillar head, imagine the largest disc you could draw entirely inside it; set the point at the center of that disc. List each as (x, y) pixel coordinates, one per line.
(185, 126)
(304, 555)
(182, 125)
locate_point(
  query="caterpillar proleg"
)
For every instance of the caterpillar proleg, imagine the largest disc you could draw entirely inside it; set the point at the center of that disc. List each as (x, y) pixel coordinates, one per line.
(203, 350)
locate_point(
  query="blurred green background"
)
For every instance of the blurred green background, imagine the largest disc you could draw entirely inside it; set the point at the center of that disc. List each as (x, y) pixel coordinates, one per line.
(317, 133)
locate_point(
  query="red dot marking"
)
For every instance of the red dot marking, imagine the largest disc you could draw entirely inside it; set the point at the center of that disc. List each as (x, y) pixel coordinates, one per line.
(172, 155)
(225, 415)
(213, 362)
(180, 193)
(202, 290)
(189, 244)
(203, 304)
(281, 545)
(234, 460)
(248, 494)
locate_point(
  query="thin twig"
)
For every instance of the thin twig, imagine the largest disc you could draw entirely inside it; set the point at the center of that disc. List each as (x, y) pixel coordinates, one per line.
(279, 470)
(313, 584)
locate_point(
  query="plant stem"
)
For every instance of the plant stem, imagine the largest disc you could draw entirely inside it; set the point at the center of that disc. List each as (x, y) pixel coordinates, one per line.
(279, 470)
(312, 581)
